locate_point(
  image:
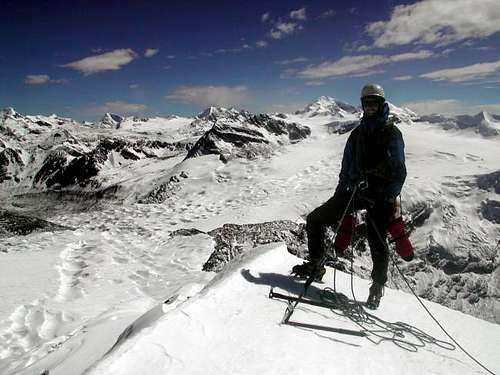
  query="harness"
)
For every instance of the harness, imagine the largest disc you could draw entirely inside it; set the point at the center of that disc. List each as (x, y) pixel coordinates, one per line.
(372, 154)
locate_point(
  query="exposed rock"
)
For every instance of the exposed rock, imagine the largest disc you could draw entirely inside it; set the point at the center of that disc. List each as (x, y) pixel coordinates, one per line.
(13, 224)
(232, 239)
(186, 232)
(10, 162)
(490, 209)
(66, 165)
(162, 192)
(341, 127)
(489, 181)
(110, 120)
(249, 139)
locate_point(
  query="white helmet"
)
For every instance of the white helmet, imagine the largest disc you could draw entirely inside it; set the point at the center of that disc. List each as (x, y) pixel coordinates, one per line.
(372, 89)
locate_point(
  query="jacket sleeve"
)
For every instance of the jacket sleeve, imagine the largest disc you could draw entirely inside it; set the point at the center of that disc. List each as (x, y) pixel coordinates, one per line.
(347, 160)
(397, 174)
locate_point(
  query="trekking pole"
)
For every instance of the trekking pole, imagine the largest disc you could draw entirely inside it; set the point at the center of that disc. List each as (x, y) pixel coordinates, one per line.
(292, 305)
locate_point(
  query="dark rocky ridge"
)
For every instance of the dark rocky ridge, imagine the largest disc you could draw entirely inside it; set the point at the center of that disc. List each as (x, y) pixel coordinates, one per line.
(489, 181)
(235, 139)
(490, 209)
(56, 170)
(14, 224)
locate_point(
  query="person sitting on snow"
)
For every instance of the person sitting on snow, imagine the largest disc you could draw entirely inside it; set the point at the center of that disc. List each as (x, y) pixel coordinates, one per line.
(372, 175)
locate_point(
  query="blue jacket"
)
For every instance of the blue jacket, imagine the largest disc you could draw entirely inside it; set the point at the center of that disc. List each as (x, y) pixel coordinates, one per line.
(374, 153)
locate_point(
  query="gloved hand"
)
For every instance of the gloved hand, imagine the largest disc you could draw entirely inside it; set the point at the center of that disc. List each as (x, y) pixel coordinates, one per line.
(398, 233)
(344, 236)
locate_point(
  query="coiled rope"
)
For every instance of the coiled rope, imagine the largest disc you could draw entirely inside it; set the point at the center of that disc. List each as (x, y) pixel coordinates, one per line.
(387, 331)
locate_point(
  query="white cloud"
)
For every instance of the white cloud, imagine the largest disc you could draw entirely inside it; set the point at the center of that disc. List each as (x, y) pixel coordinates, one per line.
(364, 48)
(345, 66)
(353, 10)
(315, 83)
(265, 17)
(113, 60)
(437, 22)
(299, 14)
(466, 73)
(327, 14)
(210, 95)
(120, 107)
(150, 52)
(441, 106)
(40, 79)
(423, 54)
(447, 51)
(171, 57)
(284, 28)
(403, 78)
(292, 61)
(359, 66)
(36, 79)
(134, 86)
(261, 43)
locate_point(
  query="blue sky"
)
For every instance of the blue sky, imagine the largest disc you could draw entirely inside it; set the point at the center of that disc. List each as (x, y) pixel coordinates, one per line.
(83, 58)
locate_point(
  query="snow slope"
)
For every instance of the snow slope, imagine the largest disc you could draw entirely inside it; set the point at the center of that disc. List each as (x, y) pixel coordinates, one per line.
(232, 327)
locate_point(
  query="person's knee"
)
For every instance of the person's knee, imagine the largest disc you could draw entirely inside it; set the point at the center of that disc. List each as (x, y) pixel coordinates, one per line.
(313, 219)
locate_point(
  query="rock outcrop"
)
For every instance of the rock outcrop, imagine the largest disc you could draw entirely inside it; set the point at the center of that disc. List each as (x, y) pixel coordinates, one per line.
(256, 136)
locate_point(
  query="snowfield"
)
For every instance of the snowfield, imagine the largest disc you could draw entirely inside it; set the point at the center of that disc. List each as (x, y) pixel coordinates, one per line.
(123, 240)
(232, 327)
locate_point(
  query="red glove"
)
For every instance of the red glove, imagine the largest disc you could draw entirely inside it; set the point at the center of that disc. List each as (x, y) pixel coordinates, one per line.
(344, 235)
(398, 233)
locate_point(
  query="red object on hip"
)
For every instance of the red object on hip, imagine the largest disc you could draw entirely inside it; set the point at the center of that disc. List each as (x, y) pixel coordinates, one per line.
(344, 235)
(398, 233)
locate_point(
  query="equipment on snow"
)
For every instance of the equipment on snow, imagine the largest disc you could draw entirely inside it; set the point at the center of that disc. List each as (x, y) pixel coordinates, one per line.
(312, 302)
(399, 236)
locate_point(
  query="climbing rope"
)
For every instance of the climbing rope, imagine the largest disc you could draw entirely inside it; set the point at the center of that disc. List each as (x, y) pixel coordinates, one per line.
(355, 312)
(401, 334)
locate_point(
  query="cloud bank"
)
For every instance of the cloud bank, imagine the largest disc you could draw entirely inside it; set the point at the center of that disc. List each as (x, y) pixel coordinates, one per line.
(113, 60)
(437, 22)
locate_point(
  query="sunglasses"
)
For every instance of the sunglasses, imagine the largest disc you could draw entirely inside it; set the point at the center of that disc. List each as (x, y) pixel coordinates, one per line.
(371, 102)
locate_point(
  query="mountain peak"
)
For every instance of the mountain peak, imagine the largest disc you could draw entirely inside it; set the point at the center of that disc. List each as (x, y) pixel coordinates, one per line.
(328, 106)
(110, 120)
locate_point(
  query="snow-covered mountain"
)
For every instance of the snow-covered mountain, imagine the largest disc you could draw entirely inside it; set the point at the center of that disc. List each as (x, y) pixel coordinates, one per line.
(100, 225)
(111, 121)
(328, 106)
(484, 123)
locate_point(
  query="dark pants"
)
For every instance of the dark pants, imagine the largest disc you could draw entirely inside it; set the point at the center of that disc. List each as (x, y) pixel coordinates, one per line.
(330, 213)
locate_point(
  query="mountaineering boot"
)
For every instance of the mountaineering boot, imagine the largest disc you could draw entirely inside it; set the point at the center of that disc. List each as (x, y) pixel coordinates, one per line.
(376, 292)
(305, 270)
